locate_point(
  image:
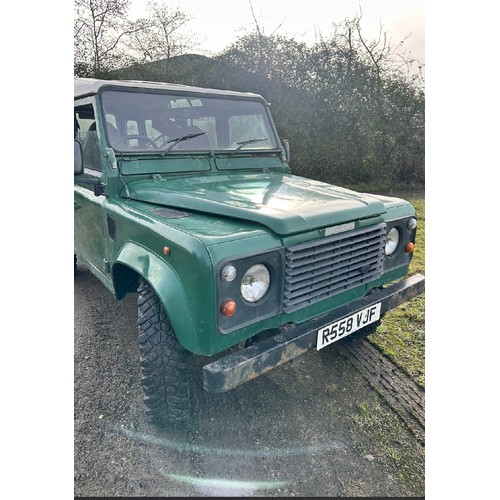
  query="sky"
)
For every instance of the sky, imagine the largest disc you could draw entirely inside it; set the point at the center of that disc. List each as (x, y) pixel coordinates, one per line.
(220, 22)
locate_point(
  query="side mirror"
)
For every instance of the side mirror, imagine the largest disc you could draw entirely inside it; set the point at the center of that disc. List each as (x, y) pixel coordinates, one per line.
(78, 158)
(286, 144)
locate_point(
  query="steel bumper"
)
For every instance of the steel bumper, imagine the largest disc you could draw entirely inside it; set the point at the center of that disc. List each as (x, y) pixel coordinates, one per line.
(240, 367)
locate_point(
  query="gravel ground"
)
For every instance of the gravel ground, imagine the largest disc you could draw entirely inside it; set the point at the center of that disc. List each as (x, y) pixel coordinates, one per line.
(310, 428)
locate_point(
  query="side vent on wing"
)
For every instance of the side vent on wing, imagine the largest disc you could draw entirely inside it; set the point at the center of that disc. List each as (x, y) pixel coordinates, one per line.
(112, 227)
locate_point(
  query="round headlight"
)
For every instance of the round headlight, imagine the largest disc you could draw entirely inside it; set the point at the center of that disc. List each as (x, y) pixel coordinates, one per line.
(228, 272)
(392, 241)
(255, 283)
(412, 223)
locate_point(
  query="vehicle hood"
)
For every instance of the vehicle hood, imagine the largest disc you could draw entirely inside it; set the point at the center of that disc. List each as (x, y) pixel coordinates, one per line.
(284, 203)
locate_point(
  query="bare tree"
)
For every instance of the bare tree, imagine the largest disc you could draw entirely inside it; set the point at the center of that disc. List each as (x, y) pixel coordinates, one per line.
(386, 57)
(164, 35)
(100, 27)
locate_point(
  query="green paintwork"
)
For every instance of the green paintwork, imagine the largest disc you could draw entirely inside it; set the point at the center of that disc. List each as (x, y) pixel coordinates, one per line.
(396, 207)
(140, 239)
(172, 163)
(247, 162)
(284, 203)
(240, 205)
(167, 283)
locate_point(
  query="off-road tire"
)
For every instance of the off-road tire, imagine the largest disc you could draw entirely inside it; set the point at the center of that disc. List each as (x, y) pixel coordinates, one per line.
(164, 362)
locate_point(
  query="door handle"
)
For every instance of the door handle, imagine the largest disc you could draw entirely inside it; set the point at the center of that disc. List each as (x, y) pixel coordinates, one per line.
(77, 206)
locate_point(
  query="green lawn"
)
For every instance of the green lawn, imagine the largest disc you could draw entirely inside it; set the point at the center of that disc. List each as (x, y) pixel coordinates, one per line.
(401, 336)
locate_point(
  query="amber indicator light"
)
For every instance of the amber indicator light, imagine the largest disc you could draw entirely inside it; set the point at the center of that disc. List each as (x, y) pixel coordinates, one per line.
(409, 247)
(166, 250)
(228, 308)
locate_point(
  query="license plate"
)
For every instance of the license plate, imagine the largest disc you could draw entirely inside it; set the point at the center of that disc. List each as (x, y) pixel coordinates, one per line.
(345, 326)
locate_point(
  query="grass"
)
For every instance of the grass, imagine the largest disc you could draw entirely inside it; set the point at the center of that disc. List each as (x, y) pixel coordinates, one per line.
(395, 451)
(401, 336)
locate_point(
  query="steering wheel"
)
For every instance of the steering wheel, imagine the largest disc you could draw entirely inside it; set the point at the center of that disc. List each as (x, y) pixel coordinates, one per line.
(145, 140)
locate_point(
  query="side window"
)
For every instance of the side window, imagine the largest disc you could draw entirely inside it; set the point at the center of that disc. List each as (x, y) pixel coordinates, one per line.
(86, 132)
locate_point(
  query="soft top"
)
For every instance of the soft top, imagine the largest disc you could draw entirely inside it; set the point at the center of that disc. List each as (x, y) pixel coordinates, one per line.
(89, 86)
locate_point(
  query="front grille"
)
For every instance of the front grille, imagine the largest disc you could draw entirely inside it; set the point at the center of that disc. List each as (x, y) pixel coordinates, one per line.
(319, 269)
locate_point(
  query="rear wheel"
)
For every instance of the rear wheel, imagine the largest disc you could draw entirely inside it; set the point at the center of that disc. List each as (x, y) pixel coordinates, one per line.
(164, 362)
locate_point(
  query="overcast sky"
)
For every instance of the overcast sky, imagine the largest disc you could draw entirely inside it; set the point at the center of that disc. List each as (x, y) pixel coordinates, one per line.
(219, 22)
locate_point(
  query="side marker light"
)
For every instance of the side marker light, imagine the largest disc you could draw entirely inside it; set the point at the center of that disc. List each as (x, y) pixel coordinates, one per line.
(409, 247)
(228, 308)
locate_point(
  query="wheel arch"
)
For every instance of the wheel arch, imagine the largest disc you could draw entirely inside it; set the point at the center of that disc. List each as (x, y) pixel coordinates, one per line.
(134, 261)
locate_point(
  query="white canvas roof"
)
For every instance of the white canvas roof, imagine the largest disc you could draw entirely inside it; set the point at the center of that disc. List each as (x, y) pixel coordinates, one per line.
(89, 86)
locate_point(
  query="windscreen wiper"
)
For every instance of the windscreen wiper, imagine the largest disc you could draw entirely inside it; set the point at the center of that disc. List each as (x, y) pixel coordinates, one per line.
(179, 139)
(244, 143)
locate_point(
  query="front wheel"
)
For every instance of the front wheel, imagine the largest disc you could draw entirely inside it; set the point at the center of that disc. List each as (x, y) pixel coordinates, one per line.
(164, 362)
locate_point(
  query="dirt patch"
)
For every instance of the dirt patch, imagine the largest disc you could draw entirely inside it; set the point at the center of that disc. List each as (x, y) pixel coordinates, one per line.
(312, 428)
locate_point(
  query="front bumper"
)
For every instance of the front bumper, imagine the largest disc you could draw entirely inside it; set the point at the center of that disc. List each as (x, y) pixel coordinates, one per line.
(248, 363)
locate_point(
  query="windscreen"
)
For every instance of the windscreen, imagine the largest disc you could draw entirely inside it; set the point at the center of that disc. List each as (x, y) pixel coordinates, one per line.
(158, 122)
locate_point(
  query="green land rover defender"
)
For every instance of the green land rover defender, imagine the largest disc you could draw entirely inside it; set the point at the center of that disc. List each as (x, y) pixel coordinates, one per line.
(184, 195)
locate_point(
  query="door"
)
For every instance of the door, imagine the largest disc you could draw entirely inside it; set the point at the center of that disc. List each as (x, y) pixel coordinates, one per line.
(89, 233)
